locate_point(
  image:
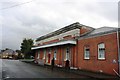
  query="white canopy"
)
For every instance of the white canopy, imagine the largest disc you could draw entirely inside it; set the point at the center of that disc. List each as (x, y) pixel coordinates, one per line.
(55, 44)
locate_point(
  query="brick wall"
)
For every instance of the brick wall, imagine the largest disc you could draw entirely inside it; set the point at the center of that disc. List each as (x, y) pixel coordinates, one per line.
(93, 64)
(83, 30)
(52, 41)
(68, 37)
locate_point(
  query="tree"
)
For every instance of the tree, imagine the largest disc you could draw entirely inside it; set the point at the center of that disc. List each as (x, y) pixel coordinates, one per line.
(19, 54)
(26, 46)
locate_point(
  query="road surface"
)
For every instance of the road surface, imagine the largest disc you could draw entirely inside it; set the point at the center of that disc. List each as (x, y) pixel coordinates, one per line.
(17, 70)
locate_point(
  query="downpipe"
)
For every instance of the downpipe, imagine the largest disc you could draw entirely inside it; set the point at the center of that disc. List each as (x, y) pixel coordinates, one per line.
(118, 51)
(116, 73)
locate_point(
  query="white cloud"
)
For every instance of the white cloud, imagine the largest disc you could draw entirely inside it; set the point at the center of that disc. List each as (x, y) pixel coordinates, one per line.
(40, 17)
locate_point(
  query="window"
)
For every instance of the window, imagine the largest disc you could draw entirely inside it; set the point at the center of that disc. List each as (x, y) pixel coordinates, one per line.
(101, 51)
(44, 54)
(86, 52)
(67, 53)
(55, 54)
(49, 51)
(38, 56)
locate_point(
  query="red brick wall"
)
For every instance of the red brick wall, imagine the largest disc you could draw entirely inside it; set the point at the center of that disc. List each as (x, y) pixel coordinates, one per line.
(51, 56)
(57, 40)
(60, 50)
(41, 54)
(36, 55)
(68, 37)
(52, 41)
(60, 55)
(83, 30)
(75, 54)
(110, 53)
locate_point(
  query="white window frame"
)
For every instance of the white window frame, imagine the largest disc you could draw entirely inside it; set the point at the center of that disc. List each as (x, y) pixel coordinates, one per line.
(101, 47)
(44, 54)
(86, 53)
(67, 55)
(55, 54)
(49, 51)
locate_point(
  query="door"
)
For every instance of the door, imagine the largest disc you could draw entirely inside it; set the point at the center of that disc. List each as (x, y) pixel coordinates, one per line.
(49, 58)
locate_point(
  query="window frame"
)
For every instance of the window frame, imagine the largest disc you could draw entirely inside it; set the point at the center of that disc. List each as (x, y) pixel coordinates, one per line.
(44, 54)
(101, 48)
(55, 54)
(49, 51)
(67, 55)
(38, 55)
(86, 47)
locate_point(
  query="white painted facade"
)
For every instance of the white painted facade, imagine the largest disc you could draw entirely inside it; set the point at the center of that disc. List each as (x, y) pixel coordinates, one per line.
(73, 33)
(56, 44)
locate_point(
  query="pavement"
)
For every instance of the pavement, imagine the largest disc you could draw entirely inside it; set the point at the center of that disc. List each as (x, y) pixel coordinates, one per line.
(81, 72)
(17, 70)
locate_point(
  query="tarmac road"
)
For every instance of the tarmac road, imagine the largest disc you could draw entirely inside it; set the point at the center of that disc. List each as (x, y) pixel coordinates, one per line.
(15, 69)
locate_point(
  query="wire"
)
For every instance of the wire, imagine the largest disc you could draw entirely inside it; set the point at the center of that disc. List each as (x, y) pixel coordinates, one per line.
(16, 5)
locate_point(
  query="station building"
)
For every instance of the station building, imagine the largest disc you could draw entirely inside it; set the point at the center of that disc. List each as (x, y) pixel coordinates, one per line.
(86, 48)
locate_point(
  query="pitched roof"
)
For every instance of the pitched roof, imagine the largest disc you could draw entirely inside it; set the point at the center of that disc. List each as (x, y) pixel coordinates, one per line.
(9, 51)
(100, 31)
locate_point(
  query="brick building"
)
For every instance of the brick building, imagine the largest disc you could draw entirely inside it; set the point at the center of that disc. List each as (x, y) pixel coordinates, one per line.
(86, 48)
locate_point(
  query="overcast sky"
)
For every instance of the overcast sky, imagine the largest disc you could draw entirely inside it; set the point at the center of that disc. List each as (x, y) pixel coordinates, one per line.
(21, 19)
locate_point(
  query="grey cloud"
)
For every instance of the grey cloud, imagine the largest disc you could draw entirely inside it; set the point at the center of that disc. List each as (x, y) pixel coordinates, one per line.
(10, 39)
(108, 10)
(42, 16)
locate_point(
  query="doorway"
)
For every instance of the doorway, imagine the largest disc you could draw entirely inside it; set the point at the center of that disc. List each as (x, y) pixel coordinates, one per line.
(49, 58)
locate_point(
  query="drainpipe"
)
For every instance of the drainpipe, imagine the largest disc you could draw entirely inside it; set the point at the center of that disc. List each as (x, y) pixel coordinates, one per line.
(118, 38)
(118, 51)
(77, 53)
